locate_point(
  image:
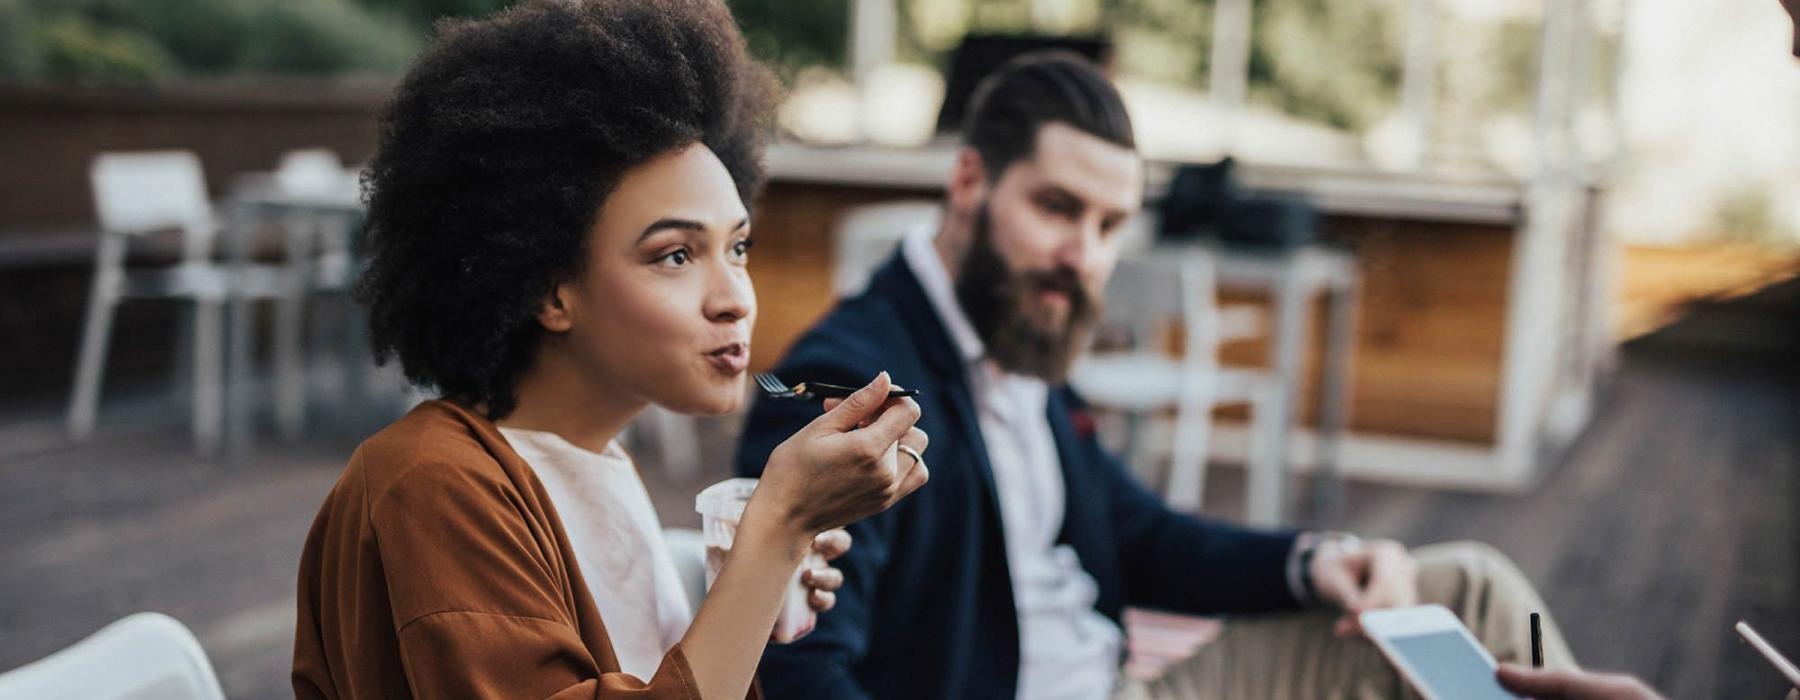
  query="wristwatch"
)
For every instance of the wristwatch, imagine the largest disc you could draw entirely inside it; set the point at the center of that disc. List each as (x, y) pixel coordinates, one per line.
(1310, 545)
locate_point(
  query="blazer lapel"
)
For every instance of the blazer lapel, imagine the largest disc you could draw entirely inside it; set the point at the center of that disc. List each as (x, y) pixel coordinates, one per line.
(896, 281)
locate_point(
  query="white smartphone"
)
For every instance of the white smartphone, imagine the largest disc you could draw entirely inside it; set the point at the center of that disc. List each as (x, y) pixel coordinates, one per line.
(1435, 653)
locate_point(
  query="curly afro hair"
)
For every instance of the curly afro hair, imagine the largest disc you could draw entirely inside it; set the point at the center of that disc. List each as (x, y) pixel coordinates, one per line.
(499, 148)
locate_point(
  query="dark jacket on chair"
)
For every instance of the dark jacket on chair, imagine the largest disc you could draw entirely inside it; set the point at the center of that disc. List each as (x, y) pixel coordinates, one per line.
(927, 609)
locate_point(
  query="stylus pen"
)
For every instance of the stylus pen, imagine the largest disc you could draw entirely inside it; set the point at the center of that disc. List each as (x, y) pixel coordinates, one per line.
(1537, 642)
(1762, 647)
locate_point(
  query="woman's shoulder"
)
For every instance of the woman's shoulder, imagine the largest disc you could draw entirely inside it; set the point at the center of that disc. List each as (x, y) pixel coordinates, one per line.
(435, 445)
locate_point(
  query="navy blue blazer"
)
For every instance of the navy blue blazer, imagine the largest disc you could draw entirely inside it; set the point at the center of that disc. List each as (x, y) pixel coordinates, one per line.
(927, 610)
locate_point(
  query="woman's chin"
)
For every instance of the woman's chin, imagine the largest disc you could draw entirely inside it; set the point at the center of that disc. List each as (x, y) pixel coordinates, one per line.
(714, 400)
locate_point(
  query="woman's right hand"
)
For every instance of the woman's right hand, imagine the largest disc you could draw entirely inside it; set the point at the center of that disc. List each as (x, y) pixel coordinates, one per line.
(845, 465)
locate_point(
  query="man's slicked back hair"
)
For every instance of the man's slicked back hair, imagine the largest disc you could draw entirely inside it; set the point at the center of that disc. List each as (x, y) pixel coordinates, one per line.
(1035, 89)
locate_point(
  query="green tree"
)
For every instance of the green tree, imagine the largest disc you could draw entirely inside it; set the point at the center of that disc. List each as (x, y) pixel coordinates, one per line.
(794, 34)
(76, 50)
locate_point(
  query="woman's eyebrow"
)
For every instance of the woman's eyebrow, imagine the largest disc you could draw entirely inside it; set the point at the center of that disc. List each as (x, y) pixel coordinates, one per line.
(684, 225)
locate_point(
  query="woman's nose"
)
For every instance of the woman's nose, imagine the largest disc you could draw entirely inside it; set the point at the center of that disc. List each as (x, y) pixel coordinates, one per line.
(730, 296)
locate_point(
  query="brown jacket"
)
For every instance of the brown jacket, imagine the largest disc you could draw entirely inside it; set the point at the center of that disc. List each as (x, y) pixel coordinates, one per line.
(438, 568)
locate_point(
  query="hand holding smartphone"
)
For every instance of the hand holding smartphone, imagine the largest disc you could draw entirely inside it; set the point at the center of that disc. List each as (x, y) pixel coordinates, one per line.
(1434, 652)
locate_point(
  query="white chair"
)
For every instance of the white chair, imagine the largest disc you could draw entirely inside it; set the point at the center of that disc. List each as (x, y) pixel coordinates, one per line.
(317, 203)
(674, 436)
(137, 194)
(147, 656)
(317, 177)
(688, 548)
(867, 234)
(1147, 298)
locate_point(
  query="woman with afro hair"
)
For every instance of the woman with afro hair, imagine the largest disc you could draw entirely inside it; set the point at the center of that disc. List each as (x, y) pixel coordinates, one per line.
(558, 239)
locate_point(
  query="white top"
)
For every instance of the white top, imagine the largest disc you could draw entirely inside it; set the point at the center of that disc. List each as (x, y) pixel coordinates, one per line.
(618, 544)
(1067, 648)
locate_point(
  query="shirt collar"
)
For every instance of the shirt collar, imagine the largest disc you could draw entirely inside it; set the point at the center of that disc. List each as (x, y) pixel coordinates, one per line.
(934, 277)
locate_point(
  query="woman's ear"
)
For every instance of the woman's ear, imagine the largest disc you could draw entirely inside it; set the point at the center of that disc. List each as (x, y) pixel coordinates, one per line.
(554, 314)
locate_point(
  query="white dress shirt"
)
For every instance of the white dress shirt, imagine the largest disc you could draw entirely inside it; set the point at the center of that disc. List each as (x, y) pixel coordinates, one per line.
(1067, 648)
(612, 528)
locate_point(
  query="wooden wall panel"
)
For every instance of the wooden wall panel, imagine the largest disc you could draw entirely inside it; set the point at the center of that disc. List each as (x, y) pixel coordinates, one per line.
(1430, 329)
(793, 224)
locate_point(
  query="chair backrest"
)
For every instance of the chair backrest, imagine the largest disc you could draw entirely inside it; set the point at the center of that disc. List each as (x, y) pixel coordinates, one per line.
(687, 547)
(150, 191)
(311, 170)
(146, 656)
(867, 234)
(1151, 295)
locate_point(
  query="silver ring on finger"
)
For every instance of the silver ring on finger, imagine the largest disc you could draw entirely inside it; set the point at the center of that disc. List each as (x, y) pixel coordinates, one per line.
(910, 452)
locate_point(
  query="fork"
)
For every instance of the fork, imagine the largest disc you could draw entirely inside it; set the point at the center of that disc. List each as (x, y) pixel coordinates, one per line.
(777, 389)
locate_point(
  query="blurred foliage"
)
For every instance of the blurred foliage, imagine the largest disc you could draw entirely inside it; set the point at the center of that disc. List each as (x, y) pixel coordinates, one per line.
(205, 36)
(140, 41)
(326, 37)
(423, 12)
(795, 34)
(18, 52)
(1332, 62)
(76, 50)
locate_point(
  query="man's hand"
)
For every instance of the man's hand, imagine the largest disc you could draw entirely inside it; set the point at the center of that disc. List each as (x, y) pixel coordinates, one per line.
(1544, 684)
(1356, 577)
(823, 582)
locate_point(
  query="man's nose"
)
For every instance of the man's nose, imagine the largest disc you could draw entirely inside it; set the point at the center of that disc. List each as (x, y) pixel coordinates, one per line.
(1080, 248)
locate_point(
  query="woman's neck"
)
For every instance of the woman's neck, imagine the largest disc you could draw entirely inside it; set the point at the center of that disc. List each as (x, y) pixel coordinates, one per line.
(554, 396)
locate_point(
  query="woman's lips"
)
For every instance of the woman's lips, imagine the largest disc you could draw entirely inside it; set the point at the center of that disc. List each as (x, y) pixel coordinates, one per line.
(731, 359)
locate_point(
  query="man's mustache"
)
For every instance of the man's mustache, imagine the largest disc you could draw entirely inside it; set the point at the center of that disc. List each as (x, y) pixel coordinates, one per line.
(1060, 279)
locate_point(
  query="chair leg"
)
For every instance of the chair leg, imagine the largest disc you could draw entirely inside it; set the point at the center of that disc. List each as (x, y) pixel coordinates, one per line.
(1187, 460)
(89, 369)
(302, 232)
(1193, 435)
(181, 375)
(1132, 450)
(240, 397)
(290, 367)
(1265, 495)
(209, 376)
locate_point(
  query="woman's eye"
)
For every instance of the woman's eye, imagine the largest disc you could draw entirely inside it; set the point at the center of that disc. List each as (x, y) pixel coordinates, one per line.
(677, 258)
(742, 248)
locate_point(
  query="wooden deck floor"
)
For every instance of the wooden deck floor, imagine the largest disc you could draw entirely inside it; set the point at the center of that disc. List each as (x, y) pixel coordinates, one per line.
(1677, 513)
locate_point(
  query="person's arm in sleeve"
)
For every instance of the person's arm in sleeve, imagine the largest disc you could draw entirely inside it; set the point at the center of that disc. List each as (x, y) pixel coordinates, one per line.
(819, 665)
(1179, 562)
(477, 609)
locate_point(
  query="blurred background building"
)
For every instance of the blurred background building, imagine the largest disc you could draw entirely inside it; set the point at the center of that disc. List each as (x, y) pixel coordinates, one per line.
(1542, 291)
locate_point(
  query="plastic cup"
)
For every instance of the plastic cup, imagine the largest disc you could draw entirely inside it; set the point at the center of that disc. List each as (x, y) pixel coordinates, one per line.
(721, 506)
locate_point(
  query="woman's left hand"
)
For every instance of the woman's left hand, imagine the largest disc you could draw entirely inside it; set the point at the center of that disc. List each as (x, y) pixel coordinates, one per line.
(824, 581)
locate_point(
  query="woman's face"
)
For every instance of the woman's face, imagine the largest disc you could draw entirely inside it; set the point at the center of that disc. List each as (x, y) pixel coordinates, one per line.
(665, 308)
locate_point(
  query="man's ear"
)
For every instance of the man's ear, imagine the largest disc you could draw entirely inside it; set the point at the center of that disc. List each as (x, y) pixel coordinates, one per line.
(968, 186)
(554, 314)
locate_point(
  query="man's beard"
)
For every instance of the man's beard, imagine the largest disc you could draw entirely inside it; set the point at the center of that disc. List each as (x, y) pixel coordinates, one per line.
(999, 301)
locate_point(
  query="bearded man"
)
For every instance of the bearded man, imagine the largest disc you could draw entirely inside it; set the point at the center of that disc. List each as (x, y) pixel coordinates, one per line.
(1006, 576)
